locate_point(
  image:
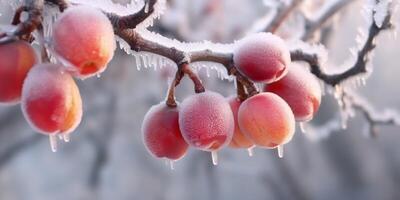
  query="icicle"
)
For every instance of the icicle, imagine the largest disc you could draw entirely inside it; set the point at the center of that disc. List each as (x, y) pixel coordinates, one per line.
(344, 120)
(280, 151)
(214, 157)
(53, 142)
(60, 137)
(171, 164)
(250, 151)
(303, 127)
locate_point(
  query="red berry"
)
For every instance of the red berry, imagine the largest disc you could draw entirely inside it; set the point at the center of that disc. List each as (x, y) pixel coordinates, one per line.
(262, 57)
(84, 37)
(51, 102)
(267, 120)
(16, 59)
(206, 121)
(301, 90)
(161, 133)
(239, 140)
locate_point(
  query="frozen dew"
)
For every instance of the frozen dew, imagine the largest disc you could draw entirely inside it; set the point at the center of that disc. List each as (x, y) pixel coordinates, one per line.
(280, 151)
(214, 157)
(250, 151)
(53, 142)
(66, 137)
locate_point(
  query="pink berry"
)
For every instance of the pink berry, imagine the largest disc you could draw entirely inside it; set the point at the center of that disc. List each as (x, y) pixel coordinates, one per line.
(161, 133)
(206, 121)
(301, 90)
(262, 57)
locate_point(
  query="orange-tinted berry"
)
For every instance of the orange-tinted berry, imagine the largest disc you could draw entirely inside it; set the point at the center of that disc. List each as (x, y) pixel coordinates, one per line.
(84, 37)
(267, 120)
(239, 140)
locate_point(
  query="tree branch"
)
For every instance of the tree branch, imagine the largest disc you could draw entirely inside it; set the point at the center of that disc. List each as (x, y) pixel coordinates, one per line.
(329, 9)
(131, 21)
(360, 65)
(282, 11)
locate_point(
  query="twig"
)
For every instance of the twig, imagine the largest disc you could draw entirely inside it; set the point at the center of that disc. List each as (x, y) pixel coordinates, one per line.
(131, 21)
(359, 67)
(282, 11)
(330, 8)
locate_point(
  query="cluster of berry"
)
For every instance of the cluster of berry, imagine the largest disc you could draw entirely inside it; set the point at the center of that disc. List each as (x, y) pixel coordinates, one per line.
(83, 43)
(209, 122)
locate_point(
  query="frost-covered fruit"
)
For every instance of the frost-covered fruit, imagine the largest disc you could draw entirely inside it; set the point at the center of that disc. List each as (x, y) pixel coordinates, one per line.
(50, 101)
(206, 121)
(16, 59)
(262, 57)
(300, 89)
(267, 120)
(161, 134)
(239, 140)
(84, 37)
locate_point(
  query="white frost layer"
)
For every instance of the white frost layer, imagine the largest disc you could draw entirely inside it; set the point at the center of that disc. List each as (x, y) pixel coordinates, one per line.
(128, 9)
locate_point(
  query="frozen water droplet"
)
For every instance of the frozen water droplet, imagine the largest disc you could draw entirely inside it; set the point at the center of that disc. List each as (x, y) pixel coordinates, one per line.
(250, 150)
(280, 151)
(171, 164)
(53, 142)
(98, 75)
(66, 137)
(214, 157)
(302, 127)
(60, 137)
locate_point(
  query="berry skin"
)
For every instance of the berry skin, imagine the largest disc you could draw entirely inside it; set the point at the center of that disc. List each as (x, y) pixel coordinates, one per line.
(161, 133)
(262, 57)
(267, 120)
(50, 101)
(301, 90)
(206, 121)
(239, 140)
(16, 59)
(84, 37)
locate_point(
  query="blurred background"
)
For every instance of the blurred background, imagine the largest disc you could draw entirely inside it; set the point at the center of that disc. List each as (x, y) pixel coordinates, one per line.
(106, 158)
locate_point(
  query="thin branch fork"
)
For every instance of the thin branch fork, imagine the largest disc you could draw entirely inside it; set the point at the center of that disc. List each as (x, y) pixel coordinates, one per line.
(330, 8)
(360, 65)
(283, 10)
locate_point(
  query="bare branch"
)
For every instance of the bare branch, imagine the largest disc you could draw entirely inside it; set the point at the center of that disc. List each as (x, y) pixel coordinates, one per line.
(25, 28)
(373, 118)
(282, 11)
(131, 21)
(329, 9)
(359, 67)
